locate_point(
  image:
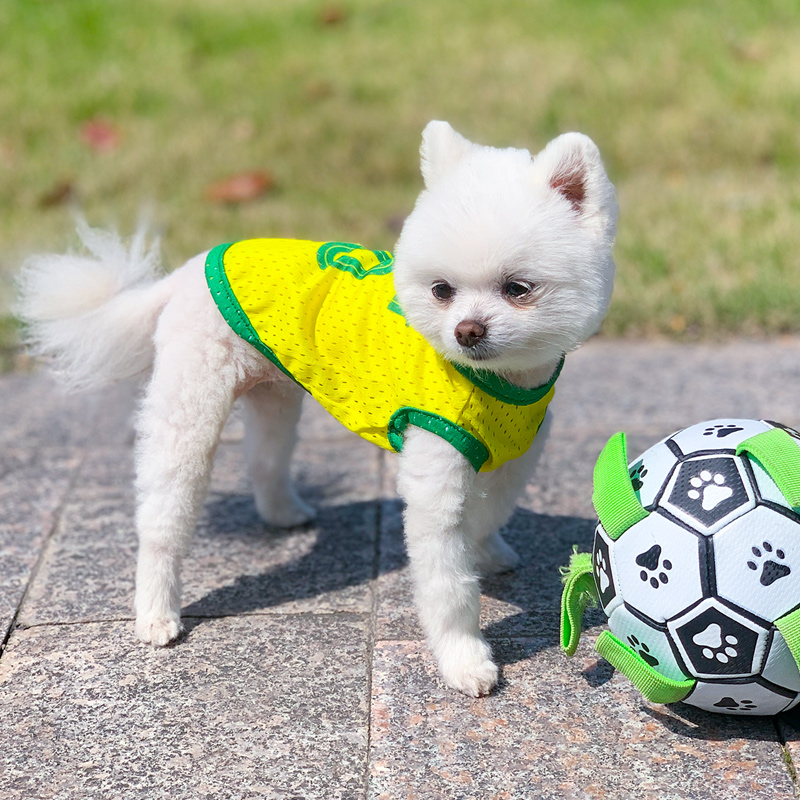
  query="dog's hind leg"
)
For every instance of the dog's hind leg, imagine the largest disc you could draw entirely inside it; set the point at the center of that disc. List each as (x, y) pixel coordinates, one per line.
(493, 503)
(200, 365)
(271, 413)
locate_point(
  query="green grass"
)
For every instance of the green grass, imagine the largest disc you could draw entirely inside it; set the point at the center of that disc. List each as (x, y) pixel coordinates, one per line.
(694, 105)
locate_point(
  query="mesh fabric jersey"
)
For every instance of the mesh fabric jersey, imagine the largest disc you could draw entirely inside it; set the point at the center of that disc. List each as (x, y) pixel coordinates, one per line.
(325, 313)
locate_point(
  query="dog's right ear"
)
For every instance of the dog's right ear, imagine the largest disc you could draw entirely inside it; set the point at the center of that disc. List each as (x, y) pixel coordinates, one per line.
(572, 170)
(442, 149)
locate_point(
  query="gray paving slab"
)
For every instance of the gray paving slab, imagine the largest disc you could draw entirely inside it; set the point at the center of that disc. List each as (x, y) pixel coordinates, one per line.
(236, 564)
(665, 386)
(262, 606)
(33, 487)
(248, 707)
(557, 730)
(35, 412)
(432, 747)
(789, 731)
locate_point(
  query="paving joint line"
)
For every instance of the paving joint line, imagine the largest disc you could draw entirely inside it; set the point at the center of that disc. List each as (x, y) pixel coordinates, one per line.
(787, 757)
(266, 614)
(373, 616)
(46, 545)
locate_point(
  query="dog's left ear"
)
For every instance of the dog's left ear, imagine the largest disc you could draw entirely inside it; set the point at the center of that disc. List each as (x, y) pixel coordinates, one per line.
(572, 170)
(442, 149)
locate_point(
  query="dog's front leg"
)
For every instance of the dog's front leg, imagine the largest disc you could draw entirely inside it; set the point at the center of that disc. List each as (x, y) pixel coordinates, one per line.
(435, 481)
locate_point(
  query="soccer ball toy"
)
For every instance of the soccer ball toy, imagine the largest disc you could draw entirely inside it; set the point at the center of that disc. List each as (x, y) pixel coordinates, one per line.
(696, 563)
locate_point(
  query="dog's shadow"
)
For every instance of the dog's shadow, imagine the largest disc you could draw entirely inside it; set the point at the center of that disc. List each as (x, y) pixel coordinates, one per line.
(349, 545)
(319, 567)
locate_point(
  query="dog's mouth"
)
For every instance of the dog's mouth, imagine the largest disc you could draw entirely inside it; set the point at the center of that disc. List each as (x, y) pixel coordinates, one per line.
(478, 353)
(473, 356)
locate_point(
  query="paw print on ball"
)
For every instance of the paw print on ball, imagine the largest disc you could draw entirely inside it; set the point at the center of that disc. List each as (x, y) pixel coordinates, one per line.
(708, 492)
(771, 570)
(714, 645)
(643, 651)
(717, 641)
(637, 473)
(722, 430)
(655, 570)
(709, 489)
(602, 573)
(729, 704)
(601, 565)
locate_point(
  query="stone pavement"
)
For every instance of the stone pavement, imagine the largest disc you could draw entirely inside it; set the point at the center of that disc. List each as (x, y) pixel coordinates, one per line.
(302, 673)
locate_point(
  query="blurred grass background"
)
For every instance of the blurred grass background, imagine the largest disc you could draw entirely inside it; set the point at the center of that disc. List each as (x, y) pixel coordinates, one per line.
(695, 107)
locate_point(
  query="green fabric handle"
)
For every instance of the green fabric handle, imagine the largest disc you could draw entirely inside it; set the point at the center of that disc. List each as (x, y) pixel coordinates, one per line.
(579, 592)
(614, 499)
(789, 626)
(653, 685)
(779, 454)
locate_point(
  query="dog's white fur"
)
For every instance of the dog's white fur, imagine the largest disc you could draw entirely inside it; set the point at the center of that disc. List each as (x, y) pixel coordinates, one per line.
(486, 216)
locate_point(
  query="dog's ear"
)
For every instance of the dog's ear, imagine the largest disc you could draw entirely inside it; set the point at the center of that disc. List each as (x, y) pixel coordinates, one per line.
(442, 148)
(571, 168)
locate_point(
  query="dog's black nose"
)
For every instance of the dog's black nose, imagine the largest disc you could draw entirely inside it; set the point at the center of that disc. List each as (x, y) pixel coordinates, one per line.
(469, 332)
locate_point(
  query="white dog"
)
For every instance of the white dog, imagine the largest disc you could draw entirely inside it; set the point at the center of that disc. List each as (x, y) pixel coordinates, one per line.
(503, 267)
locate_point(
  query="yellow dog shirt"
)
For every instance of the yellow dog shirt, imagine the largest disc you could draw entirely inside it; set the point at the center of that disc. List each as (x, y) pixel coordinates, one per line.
(326, 315)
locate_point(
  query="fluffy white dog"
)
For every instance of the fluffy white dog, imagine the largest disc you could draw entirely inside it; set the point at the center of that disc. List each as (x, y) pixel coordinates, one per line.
(504, 266)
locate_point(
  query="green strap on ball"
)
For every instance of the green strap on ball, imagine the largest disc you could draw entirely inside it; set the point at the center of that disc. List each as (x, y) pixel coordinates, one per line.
(779, 454)
(789, 626)
(654, 686)
(615, 501)
(579, 592)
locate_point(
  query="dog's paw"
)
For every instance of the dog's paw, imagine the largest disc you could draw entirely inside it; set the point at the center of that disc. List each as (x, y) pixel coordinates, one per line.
(298, 513)
(475, 680)
(159, 631)
(495, 556)
(284, 513)
(469, 668)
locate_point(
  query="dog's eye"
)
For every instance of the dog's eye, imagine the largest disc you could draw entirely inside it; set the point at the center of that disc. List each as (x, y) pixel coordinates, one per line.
(443, 291)
(517, 290)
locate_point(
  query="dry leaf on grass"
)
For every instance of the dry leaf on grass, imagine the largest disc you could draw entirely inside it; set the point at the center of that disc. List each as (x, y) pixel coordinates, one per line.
(100, 135)
(332, 15)
(61, 192)
(240, 188)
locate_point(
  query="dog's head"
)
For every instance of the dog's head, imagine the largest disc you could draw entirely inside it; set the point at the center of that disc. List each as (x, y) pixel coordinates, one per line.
(505, 262)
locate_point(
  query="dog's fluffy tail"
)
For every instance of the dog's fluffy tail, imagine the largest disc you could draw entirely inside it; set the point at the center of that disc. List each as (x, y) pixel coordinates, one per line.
(93, 316)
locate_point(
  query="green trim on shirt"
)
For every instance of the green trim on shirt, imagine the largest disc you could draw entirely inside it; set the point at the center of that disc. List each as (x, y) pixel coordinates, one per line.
(501, 389)
(471, 448)
(229, 306)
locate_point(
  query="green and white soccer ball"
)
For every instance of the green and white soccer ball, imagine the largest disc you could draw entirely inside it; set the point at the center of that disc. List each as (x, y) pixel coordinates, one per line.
(698, 567)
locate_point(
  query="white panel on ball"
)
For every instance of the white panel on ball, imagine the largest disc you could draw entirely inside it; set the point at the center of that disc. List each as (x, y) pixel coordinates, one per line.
(780, 667)
(650, 471)
(657, 565)
(757, 563)
(737, 698)
(648, 642)
(717, 433)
